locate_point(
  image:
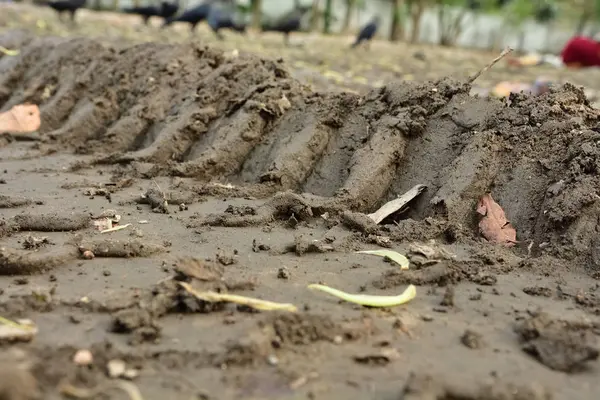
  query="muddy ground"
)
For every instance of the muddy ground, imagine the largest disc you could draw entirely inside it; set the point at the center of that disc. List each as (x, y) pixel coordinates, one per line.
(267, 183)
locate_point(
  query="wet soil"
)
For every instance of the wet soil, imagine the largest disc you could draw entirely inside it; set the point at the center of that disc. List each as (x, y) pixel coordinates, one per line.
(238, 178)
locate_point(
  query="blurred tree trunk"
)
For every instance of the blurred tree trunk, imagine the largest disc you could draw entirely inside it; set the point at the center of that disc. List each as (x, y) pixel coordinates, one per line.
(136, 3)
(450, 24)
(417, 8)
(350, 7)
(256, 14)
(581, 23)
(315, 15)
(327, 17)
(115, 5)
(521, 42)
(397, 29)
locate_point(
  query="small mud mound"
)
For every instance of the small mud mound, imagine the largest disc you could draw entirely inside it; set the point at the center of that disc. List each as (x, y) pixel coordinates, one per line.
(197, 112)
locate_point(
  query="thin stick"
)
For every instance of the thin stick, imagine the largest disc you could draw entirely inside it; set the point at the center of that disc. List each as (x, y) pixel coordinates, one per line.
(116, 228)
(159, 189)
(490, 65)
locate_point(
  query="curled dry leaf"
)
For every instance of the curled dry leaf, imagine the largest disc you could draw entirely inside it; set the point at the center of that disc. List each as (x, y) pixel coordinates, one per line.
(22, 118)
(397, 204)
(494, 226)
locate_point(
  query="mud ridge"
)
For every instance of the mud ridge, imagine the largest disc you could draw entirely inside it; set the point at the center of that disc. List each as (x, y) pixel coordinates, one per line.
(197, 112)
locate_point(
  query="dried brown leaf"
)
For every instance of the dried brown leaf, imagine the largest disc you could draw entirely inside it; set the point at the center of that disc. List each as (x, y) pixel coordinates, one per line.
(494, 226)
(20, 118)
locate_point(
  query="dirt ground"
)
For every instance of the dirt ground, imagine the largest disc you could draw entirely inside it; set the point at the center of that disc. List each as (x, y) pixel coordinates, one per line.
(268, 172)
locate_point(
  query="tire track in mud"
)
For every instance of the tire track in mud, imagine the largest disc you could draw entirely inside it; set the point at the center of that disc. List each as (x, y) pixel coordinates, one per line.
(197, 112)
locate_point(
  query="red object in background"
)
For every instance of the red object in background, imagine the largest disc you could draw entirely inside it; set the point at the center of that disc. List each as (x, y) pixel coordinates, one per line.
(583, 51)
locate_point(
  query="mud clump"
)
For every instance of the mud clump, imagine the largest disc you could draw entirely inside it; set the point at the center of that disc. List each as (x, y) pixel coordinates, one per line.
(426, 387)
(189, 110)
(12, 202)
(121, 248)
(22, 262)
(52, 222)
(298, 329)
(17, 384)
(16, 379)
(559, 345)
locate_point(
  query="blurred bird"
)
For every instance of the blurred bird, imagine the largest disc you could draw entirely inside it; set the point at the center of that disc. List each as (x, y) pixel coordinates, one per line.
(169, 9)
(474, 5)
(291, 22)
(222, 18)
(145, 12)
(164, 10)
(70, 6)
(192, 16)
(367, 32)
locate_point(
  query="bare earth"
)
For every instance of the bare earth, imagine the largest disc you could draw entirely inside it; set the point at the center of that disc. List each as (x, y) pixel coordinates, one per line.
(267, 183)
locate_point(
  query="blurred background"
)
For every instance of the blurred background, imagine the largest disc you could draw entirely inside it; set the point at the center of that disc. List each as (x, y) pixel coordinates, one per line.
(412, 40)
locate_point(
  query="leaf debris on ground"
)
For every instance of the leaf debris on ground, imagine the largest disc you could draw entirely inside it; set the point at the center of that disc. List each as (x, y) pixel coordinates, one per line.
(257, 304)
(21, 331)
(9, 52)
(494, 226)
(396, 257)
(22, 118)
(397, 204)
(370, 300)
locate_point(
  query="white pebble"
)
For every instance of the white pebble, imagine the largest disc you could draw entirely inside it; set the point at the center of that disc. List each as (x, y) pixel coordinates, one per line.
(116, 368)
(83, 357)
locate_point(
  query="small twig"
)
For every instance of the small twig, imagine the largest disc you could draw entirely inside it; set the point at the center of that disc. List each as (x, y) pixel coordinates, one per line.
(116, 228)
(490, 65)
(159, 189)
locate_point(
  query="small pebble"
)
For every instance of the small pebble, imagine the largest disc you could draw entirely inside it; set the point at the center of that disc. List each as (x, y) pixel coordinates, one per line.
(338, 339)
(475, 297)
(83, 357)
(136, 232)
(283, 273)
(272, 360)
(116, 368)
(106, 273)
(131, 374)
(471, 339)
(88, 255)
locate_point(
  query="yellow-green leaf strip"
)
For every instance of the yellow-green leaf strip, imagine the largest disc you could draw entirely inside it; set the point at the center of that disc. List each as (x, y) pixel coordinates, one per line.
(370, 300)
(390, 254)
